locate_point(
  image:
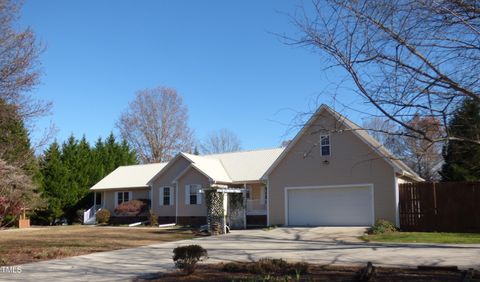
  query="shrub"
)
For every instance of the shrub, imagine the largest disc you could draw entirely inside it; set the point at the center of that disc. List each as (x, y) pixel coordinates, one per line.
(131, 208)
(382, 226)
(103, 216)
(268, 266)
(186, 257)
(234, 267)
(152, 218)
(79, 216)
(299, 268)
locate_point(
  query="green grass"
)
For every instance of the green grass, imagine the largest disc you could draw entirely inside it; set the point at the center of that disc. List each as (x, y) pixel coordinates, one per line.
(425, 237)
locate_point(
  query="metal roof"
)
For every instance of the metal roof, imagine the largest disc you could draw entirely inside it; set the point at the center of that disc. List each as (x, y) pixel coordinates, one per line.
(242, 166)
(132, 176)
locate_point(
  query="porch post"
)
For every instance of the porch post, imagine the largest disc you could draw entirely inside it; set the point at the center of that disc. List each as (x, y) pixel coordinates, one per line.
(95, 200)
(225, 207)
(244, 194)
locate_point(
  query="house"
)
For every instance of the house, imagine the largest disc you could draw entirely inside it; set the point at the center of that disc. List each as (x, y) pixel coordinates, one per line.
(332, 173)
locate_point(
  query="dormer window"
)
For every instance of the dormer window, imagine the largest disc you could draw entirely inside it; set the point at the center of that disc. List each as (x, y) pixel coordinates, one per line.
(325, 145)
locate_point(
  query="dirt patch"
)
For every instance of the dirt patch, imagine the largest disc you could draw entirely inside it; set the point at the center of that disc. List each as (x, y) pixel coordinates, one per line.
(216, 272)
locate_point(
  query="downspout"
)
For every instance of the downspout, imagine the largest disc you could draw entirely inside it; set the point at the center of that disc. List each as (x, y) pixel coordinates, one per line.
(397, 201)
(176, 202)
(268, 202)
(244, 194)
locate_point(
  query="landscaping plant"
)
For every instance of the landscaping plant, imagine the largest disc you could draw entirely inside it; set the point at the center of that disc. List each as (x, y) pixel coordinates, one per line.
(186, 257)
(382, 226)
(131, 208)
(152, 218)
(103, 216)
(268, 267)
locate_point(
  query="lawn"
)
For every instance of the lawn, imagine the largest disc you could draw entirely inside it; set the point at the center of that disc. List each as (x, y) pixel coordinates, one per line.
(425, 237)
(43, 243)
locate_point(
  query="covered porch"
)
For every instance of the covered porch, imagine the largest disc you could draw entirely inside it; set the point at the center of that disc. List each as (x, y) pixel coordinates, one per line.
(110, 198)
(237, 206)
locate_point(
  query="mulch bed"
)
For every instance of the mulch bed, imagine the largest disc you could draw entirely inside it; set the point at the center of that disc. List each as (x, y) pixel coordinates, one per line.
(215, 272)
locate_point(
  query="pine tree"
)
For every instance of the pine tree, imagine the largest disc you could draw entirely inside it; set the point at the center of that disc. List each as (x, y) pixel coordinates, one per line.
(462, 158)
(54, 186)
(15, 147)
(70, 170)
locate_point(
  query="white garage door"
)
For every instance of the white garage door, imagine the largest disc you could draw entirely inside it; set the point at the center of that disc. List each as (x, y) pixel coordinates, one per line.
(334, 206)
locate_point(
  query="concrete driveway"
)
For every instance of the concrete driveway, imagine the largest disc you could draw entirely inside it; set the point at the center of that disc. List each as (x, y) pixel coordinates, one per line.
(324, 245)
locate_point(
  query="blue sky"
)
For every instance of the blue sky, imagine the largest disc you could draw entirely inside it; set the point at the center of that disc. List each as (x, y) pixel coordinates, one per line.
(221, 56)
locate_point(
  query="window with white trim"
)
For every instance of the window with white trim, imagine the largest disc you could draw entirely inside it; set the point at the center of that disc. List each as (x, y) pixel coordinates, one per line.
(193, 194)
(166, 196)
(325, 145)
(123, 197)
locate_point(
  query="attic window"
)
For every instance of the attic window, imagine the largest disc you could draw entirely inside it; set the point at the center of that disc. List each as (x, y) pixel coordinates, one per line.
(325, 145)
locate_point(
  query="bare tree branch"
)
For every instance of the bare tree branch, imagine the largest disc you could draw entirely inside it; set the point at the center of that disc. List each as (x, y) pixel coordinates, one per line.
(156, 125)
(221, 142)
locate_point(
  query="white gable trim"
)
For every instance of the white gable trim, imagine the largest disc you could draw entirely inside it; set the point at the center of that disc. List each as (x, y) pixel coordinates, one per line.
(187, 169)
(169, 164)
(292, 143)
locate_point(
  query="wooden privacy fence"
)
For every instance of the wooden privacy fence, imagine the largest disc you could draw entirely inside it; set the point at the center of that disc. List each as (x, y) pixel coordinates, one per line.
(443, 207)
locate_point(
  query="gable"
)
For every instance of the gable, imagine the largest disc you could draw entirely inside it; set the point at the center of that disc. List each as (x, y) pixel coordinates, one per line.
(171, 171)
(192, 175)
(327, 121)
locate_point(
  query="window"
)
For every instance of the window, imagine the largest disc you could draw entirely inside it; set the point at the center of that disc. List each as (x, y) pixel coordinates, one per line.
(166, 196)
(325, 145)
(123, 197)
(192, 194)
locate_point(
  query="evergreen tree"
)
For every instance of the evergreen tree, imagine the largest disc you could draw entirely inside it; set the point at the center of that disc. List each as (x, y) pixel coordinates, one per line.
(15, 147)
(70, 170)
(462, 158)
(54, 186)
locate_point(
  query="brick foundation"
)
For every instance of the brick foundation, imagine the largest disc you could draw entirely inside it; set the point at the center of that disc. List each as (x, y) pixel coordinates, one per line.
(166, 219)
(256, 220)
(194, 221)
(126, 219)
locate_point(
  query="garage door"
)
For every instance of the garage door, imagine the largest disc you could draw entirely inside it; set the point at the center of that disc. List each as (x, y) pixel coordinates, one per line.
(330, 206)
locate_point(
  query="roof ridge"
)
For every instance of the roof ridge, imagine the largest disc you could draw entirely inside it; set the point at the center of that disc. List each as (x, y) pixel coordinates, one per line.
(143, 164)
(243, 151)
(225, 169)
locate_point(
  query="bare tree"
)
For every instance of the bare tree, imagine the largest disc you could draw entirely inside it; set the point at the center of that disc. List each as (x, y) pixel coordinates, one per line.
(156, 125)
(19, 71)
(19, 66)
(418, 153)
(381, 129)
(221, 141)
(403, 57)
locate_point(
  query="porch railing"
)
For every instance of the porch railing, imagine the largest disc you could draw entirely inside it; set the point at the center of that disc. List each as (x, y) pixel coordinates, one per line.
(89, 215)
(256, 207)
